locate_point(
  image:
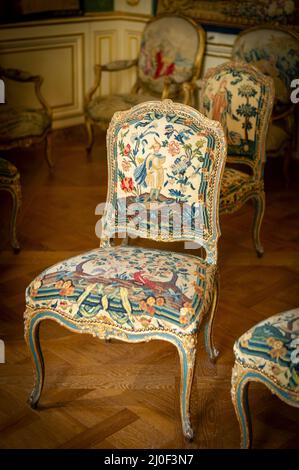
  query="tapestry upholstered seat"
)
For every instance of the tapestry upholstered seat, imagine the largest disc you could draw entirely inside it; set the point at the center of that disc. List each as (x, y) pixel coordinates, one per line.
(10, 182)
(267, 353)
(275, 52)
(169, 62)
(19, 123)
(21, 126)
(241, 98)
(165, 166)
(165, 289)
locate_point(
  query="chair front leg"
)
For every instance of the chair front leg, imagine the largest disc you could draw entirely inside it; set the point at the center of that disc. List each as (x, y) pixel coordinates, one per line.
(187, 357)
(16, 194)
(239, 393)
(208, 330)
(90, 135)
(259, 209)
(48, 151)
(33, 342)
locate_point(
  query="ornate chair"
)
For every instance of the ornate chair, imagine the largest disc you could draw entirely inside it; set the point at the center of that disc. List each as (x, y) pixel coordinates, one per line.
(241, 98)
(165, 162)
(267, 353)
(10, 181)
(274, 51)
(169, 62)
(21, 126)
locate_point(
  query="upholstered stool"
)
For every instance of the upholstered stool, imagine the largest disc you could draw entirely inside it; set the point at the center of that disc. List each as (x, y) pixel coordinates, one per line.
(267, 353)
(10, 181)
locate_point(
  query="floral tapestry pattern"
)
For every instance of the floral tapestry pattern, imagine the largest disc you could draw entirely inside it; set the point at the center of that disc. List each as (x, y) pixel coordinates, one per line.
(235, 98)
(272, 347)
(275, 53)
(168, 48)
(163, 162)
(126, 286)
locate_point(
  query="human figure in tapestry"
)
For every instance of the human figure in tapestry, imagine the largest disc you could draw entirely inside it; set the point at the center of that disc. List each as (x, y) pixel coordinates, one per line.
(238, 120)
(151, 172)
(167, 175)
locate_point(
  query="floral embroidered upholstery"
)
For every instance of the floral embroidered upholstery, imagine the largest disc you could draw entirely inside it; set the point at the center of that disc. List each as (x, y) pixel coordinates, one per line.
(102, 108)
(166, 161)
(19, 123)
(275, 52)
(272, 347)
(267, 353)
(241, 98)
(236, 187)
(163, 158)
(235, 96)
(232, 180)
(132, 287)
(7, 169)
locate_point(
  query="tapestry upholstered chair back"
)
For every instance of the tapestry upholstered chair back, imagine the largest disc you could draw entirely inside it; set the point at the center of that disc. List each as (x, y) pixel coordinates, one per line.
(165, 162)
(241, 97)
(168, 65)
(275, 52)
(171, 46)
(161, 154)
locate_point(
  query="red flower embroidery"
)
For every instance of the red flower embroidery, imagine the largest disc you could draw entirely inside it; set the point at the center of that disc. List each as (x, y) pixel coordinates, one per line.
(127, 149)
(127, 184)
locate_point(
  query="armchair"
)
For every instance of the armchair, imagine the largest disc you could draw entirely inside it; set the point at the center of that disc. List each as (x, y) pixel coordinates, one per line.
(169, 62)
(275, 52)
(21, 126)
(165, 163)
(241, 98)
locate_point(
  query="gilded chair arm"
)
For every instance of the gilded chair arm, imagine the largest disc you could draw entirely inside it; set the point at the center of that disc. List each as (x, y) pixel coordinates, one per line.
(115, 66)
(25, 77)
(188, 91)
(118, 65)
(187, 88)
(17, 75)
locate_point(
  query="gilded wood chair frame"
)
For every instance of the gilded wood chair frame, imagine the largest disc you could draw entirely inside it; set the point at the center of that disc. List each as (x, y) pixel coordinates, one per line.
(121, 65)
(229, 204)
(185, 342)
(26, 77)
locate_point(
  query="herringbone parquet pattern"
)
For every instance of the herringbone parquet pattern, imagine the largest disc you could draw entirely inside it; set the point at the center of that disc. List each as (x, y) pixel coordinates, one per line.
(117, 395)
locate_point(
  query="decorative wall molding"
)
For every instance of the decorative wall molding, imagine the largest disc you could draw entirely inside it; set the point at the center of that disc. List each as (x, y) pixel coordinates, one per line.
(65, 52)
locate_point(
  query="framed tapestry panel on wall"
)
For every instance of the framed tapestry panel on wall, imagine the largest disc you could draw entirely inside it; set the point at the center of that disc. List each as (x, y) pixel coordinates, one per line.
(235, 13)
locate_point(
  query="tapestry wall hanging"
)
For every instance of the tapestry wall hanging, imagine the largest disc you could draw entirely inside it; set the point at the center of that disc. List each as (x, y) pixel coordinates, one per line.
(234, 13)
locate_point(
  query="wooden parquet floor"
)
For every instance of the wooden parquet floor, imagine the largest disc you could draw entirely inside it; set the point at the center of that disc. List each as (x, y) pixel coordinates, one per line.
(117, 395)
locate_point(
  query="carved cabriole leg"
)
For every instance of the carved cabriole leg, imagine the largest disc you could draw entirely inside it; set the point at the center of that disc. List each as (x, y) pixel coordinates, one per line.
(16, 194)
(32, 339)
(239, 392)
(208, 331)
(48, 151)
(187, 358)
(90, 135)
(259, 209)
